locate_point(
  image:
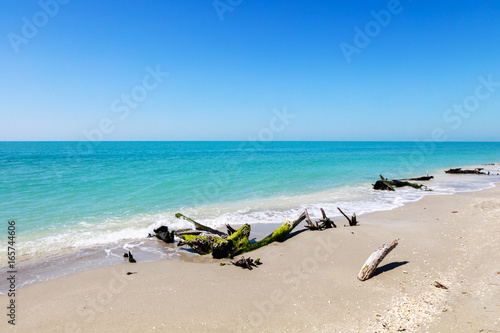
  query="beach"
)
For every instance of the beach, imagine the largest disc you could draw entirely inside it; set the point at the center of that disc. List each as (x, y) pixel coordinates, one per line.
(141, 141)
(306, 284)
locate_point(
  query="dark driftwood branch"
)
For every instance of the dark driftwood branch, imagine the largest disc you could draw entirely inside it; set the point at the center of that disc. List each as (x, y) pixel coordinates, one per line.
(130, 257)
(199, 226)
(389, 185)
(164, 234)
(375, 259)
(326, 221)
(247, 263)
(476, 171)
(423, 178)
(352, 221)
(230, 230)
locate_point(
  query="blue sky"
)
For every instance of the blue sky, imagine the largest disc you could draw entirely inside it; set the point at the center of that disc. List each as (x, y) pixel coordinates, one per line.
(430, 72)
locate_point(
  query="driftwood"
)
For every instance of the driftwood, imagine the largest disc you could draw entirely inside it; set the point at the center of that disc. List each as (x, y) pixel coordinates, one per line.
(199, 226)
(326, 221)
(187, 232)
(476, 171)
(353, 221)
(389, 185)
(130, 257)
(310, 225)
(164, 234)
(375, 259)
(439, 285)
(228, 246)
(220, 247)
(230, 230)
(167, 236)
(247, 262)
(278, 235)
(423, 178)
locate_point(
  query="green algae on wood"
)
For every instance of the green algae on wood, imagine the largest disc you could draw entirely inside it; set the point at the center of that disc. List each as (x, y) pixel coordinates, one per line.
(237, 242)
(389, 185)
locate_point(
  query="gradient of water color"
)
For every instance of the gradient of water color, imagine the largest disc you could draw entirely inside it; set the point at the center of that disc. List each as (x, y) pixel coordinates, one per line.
(66, 199)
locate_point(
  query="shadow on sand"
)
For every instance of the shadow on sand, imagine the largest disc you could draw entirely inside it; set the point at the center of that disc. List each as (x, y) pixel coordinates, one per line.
(390, 266)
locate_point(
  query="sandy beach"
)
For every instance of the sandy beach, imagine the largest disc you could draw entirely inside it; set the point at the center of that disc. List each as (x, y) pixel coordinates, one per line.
(306, 284)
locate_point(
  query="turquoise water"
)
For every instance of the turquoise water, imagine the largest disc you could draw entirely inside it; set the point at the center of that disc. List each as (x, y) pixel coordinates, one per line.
(69, 196)
(49, 187)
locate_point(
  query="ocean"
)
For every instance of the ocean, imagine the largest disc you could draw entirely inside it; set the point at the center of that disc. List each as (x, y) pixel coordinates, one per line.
(79, 205)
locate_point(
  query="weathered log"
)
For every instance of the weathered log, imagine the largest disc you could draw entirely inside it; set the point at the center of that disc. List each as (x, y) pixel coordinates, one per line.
(236, 243)
(423, 178)
(401, 183)
(200, 244)
(220, 247)
(389, 185)
(383, 184)
(352, 221)
(476, 171)
(375, 259)
(162, 233)
(199, 226)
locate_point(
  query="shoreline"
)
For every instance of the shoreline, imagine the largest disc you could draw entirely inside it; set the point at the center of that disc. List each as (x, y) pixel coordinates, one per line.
(75, 260)
(307, 283)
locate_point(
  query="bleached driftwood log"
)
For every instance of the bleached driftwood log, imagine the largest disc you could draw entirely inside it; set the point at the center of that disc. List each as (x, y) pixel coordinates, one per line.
(375, 259)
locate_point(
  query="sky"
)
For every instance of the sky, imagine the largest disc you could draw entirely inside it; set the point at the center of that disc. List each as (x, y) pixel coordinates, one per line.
(73, 70)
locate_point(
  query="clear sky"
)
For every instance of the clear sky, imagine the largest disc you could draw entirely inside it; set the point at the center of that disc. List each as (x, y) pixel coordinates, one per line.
(333, 70)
